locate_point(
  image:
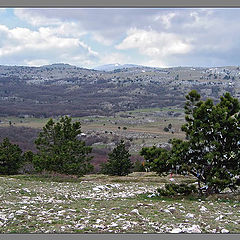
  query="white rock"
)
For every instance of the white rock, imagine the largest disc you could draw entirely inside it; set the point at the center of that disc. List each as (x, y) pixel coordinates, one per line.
(98, 220)
(203, 209)
(99, 226)
(190, 215)
(166, 211)
(80, 226)
(20, 212)
(3, 217)
(176, 230)
(11, 215)
(194, 229)
(135, 211)
(224, 231)
(151, 195)
(26, 190)
(219, 218)
(172, 209)
(113, 224)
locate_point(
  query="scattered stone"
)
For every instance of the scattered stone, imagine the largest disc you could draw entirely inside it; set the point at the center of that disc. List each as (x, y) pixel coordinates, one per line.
(20, 212)
(3, 217)
(203, 209)
(151, 195)
(194, 229)
(11, 215)
(219, 218)
(176, 230)
(224, 230)
(190, 215)
(135, 211)
(166, 211)
(113, 224)
(172, 209)
(98, 220)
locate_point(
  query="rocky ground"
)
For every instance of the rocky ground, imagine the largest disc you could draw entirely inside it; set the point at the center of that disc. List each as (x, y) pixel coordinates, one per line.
(101, 204)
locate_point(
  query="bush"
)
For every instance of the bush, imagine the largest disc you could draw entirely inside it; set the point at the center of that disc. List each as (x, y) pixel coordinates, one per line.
(166, 129)
(173, 189)
(10, 158)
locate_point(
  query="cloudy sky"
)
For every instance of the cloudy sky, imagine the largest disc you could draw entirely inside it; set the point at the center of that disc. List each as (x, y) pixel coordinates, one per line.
(92, 37)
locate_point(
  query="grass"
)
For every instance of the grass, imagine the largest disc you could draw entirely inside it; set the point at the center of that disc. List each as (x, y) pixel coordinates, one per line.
(43, 204)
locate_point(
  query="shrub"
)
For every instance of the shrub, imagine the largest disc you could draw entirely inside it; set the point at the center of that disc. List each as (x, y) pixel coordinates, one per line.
(173, 189)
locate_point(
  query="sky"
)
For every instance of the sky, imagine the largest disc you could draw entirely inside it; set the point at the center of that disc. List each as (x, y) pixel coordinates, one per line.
(90, 37)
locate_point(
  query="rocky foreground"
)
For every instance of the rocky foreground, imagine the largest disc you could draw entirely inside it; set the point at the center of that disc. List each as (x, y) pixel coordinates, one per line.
(29, 206)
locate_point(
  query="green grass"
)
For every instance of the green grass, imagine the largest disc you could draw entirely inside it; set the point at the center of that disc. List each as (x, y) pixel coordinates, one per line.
(149, 110)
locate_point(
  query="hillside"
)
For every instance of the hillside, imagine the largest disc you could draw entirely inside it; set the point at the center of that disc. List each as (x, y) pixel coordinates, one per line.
(60, 89)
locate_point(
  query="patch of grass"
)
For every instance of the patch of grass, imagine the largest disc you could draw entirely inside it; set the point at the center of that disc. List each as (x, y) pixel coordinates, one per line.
(46, 178)
(195, 197)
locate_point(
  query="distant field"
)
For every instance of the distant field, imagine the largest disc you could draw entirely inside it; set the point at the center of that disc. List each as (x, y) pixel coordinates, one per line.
(102, 204)
(144, 126)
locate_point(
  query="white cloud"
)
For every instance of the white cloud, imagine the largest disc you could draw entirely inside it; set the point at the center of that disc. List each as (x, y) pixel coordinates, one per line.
(36, 19)
(165, 19)
(99, 38)
(160, 36)
(22, 45)
(154, 44)
(114, 58)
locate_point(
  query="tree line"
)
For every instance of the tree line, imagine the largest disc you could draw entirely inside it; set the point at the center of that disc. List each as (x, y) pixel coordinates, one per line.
(210, 152)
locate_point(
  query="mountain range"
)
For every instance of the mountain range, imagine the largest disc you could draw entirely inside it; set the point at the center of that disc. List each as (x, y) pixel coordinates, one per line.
(60, 89)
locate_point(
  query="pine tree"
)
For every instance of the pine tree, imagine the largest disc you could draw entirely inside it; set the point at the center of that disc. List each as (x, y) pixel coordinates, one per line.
(119, 162)
(212, 150)
(10, 157)
(213, 147)
(59, 149)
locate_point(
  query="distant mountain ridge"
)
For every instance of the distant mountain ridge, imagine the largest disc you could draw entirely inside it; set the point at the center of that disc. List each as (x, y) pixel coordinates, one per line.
(114, 66)
(63, 89)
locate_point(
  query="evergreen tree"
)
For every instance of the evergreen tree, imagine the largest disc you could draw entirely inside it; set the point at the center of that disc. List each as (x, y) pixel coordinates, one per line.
(10, 157)
(60, 150)
(211, 152)
(155, 159)
(119, 162)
